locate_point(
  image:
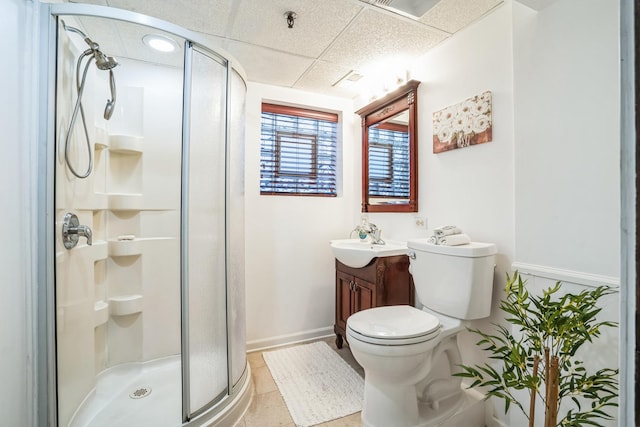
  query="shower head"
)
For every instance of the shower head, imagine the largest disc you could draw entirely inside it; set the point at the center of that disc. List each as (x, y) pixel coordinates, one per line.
(104, 62)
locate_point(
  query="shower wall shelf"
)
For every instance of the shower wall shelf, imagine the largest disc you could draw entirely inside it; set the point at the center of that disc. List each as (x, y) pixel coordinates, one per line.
(125, 247)
(100, 313)
(125, 144)
(131, 247)
(125, 305)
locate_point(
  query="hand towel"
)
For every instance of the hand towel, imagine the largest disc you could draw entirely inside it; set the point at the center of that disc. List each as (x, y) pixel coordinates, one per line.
(446, 230)
(432, 240)
(454, 240)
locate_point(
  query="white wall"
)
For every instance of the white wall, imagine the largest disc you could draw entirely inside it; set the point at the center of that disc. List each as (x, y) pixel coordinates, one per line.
(290, 275)
(470, 187)
(567, 160)
(15, 277)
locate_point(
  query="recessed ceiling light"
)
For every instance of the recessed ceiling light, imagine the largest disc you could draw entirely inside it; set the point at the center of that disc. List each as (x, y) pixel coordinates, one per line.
(160, 43)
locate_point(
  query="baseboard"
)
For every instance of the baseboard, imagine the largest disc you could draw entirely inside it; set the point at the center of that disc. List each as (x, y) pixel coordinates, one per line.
(280, 340)
(494, 422)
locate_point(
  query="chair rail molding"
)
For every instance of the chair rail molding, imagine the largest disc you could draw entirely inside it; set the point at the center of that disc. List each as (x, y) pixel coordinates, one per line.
(569, 276)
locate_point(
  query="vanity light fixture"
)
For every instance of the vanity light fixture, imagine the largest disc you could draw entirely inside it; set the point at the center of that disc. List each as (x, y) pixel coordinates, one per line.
(290, 17)
(160, 43)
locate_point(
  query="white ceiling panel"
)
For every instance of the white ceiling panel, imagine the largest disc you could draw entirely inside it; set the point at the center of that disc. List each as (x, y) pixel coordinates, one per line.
(375, 38)
(206, 16)
(264, 65)
(317, 24)
(321, 76)
(454, 15)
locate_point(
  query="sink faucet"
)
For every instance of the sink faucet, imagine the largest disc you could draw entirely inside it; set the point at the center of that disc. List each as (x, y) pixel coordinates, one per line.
(372, 230)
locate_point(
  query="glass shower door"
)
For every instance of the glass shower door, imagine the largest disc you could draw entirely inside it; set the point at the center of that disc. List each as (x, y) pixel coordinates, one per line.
(204, 279)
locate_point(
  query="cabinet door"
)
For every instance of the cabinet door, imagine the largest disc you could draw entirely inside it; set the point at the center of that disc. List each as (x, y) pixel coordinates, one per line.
(344, 303)
(364, 295)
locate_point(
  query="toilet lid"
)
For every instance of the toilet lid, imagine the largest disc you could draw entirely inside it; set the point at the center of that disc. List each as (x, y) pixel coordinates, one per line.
(396, 322)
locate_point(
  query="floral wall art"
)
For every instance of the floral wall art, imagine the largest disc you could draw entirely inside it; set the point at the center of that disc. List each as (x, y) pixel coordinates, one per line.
(464, 124)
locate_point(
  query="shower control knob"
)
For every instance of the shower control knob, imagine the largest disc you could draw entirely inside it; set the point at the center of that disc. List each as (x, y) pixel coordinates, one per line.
(72, 230)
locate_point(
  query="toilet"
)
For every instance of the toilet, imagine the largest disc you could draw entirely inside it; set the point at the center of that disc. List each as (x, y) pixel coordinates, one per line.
(408, 354)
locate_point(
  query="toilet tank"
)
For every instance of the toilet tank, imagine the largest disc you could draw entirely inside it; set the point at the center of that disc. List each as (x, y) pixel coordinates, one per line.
(456, 281)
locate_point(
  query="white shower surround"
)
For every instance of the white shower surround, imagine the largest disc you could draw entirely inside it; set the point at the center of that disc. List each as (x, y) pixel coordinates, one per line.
(135, 191)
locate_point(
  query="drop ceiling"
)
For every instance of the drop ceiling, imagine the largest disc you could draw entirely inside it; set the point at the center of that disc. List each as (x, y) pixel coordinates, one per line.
(329, 39)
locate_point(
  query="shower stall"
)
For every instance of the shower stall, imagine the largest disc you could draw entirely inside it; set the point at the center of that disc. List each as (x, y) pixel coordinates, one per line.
(142, 297)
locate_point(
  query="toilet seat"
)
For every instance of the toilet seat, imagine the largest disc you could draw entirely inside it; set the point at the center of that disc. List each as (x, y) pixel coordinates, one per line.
(393, 325)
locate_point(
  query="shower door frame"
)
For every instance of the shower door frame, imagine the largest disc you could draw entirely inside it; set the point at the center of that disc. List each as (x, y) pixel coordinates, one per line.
(46, 363)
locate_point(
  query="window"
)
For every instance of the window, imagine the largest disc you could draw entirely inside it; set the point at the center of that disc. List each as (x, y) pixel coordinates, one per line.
(297, 151)
(389, 161)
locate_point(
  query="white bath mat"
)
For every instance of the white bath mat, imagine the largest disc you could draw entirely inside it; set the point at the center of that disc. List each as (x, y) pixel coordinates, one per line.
(316, 384)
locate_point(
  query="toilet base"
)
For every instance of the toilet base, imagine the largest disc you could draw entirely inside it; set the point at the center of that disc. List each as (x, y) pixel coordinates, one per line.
(466, 409)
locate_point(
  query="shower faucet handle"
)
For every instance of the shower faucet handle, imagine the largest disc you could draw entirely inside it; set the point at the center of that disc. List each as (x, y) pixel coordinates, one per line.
(72, 230)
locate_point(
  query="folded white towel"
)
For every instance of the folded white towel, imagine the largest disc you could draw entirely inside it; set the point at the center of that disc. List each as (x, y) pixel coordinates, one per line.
(454, 240)
(433, 240)
(446, 230)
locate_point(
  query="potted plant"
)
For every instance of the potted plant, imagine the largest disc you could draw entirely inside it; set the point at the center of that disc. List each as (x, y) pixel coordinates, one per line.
(539, 355)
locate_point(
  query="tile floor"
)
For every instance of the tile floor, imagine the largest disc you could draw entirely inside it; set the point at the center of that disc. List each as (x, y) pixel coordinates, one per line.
(268, 409)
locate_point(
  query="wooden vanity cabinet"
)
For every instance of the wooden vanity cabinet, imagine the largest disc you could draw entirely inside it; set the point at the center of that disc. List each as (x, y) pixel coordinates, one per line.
(384, 281)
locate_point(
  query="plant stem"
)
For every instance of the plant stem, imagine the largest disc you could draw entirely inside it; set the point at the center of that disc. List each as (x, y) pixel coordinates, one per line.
(546, 387)
(532, 403)
(546, 363)
(551, 418)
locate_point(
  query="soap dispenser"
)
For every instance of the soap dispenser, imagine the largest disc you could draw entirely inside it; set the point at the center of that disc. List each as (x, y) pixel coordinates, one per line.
(362, 230)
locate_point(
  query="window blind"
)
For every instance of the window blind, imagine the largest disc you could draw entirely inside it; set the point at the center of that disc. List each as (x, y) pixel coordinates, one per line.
(388, 162)
(297, 151)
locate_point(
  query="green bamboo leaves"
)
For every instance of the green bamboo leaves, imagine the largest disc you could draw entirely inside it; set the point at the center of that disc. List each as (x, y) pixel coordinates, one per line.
(538, 354)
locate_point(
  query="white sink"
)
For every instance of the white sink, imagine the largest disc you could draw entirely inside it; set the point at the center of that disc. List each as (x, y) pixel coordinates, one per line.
(356, 254)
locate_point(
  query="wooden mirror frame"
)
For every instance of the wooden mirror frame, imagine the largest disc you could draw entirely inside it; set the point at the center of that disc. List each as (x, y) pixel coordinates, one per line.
(403, 98)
